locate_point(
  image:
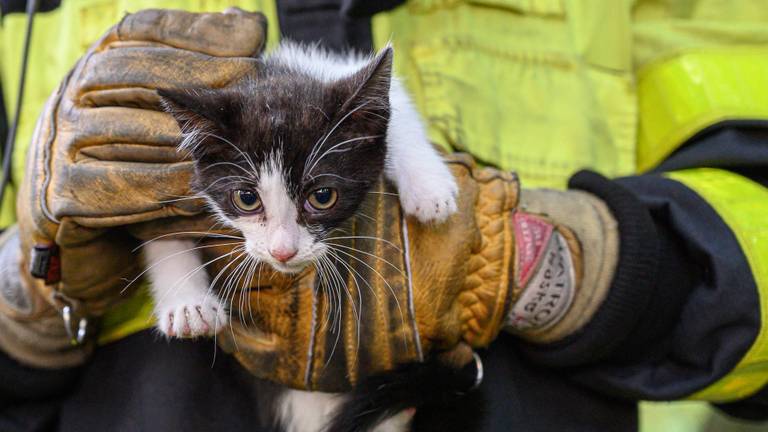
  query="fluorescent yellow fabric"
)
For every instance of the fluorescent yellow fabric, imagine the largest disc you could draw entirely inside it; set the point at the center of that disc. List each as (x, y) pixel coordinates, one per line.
(59, 38)
(132, 316)
(664, 29)
(743, 205)
(699, 62)
(541, 87)
(683, 95)
(544, 87)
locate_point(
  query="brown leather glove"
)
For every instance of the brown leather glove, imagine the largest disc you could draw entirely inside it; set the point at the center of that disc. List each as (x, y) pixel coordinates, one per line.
(103, 156)
(400, 291)
(415, 290)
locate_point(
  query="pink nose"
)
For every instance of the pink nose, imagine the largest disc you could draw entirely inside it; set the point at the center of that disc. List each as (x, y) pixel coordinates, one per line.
(283, 255)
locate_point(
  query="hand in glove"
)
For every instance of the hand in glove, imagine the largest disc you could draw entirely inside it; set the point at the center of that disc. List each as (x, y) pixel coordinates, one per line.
(103, 155)
(403, 292)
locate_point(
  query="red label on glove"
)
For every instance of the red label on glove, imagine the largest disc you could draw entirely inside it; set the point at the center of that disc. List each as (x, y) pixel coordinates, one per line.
(531, 236)
(545, 275)
(45, 263)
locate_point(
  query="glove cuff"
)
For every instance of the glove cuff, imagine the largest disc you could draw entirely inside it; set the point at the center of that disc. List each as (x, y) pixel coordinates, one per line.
(561, 283)
(626, 294)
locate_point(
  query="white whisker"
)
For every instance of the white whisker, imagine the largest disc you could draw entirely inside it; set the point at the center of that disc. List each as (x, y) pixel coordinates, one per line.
(333, 150)
(383, 279)
(333, 245)
(316, 148)
(201, 233)
(366, 238)
(160, 261)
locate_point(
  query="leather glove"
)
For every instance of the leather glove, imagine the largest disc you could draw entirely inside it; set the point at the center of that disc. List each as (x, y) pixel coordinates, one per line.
(401, 291)
(103, 156)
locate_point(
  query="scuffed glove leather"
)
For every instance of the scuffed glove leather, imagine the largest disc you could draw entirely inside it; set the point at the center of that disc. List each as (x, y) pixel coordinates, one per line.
(417, 290)
(413, 289)
(103, 156)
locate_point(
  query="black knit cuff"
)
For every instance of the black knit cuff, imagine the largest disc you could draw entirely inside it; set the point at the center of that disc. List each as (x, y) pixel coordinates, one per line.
(632, 286)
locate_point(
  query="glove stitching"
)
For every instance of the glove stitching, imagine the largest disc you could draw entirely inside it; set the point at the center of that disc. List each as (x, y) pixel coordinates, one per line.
(48, 154)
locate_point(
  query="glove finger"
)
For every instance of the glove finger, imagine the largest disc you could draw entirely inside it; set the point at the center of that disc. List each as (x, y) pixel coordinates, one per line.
(216, 34)
(106, 194)
(148, 68)
(122, 97)
(118, 135)
(202, 225)
(120, 165)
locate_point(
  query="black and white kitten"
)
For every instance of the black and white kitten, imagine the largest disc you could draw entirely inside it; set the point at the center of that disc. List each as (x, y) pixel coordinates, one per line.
(284, 156)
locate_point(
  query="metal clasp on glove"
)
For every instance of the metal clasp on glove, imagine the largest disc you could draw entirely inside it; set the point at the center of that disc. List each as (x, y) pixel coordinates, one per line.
(46, 265)
(478, 371)
(76, 335)
(75, 326)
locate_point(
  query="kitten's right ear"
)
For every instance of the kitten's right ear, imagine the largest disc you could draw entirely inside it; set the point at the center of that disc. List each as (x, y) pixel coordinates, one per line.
(185, 106)
(198, 112)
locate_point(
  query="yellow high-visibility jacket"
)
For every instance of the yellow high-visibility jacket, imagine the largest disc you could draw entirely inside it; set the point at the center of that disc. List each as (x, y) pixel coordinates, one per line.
(670, 95)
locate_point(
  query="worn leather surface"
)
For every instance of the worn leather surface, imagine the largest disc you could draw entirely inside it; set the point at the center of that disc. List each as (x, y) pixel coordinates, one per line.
(30, 328)
(412, 290)
(102, 168)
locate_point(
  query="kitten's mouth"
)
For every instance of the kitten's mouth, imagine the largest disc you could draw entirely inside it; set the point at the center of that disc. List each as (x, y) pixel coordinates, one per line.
(291, 268)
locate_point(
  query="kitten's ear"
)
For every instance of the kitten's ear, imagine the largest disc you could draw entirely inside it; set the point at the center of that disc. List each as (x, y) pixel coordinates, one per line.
(370, 94)
(360, 125)
(197, 112)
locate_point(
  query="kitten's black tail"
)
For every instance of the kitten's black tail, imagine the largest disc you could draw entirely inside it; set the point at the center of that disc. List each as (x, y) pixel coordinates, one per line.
(437, 388)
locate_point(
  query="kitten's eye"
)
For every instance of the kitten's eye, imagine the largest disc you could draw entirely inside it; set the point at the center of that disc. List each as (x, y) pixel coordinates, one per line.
(246, 201)
(323, 198)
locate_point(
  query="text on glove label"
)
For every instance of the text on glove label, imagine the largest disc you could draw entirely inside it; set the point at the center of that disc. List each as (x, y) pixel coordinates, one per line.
(547, 291)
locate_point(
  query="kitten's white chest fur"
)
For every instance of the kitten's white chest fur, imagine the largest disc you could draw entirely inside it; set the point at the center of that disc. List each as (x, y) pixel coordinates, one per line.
(185, 306)
(301, 411)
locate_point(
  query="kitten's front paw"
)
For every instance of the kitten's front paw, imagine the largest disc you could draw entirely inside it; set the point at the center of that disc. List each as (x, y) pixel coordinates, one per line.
(429, 198)
(190, 319)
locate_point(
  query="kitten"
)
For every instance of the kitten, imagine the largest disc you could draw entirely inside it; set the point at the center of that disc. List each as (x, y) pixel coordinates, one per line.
(285, 156)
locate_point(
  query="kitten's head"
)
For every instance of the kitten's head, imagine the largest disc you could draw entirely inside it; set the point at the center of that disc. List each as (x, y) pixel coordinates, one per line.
(284, 157)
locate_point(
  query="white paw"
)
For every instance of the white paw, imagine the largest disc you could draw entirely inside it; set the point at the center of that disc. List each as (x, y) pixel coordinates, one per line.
(190, 318)
(431, 198)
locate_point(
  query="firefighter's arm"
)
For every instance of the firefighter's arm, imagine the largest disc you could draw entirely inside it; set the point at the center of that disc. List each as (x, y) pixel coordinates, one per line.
(684, 314)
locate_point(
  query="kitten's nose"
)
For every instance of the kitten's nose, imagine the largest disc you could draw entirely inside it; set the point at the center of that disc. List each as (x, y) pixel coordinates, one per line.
(283, 255)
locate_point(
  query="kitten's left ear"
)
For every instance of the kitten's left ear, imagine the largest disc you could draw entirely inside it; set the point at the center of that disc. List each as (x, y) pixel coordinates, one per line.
(370, 94)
